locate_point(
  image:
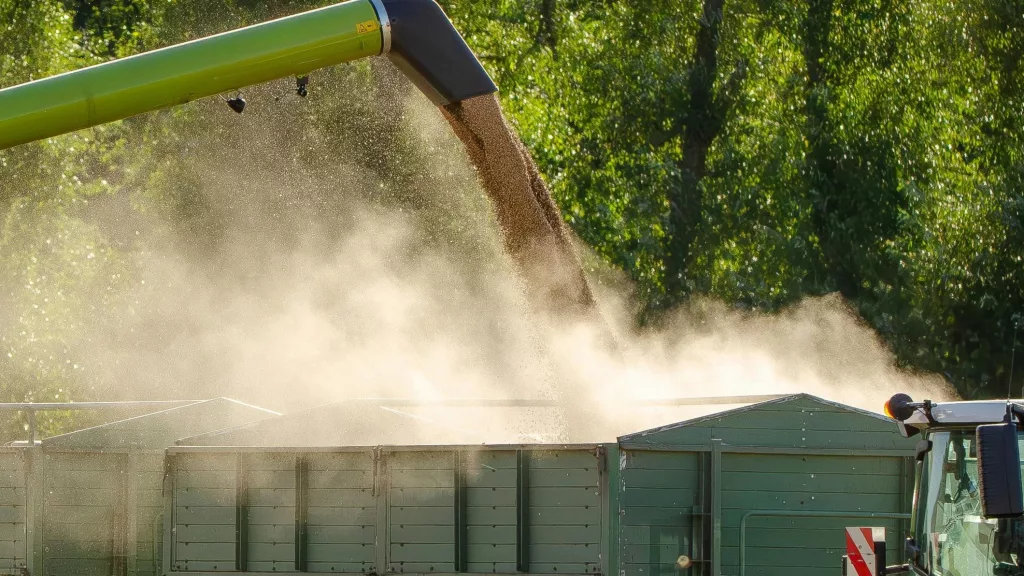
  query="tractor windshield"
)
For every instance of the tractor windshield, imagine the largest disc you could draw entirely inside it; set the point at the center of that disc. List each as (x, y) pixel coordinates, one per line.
(953, 537)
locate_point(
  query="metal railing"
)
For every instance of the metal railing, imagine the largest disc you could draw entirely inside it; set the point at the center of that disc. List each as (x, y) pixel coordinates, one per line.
(545, 402)
(30, 408)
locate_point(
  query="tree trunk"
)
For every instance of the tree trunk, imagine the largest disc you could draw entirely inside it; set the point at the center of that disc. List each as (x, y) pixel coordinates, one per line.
(546, 33)
(825, 182)
(702, 125)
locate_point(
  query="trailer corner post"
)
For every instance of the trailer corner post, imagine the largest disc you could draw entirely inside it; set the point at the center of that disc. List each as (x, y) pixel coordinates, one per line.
(460, 525)
(129, 519)
(241, 512)
(170, 509)
(523, 457)
(382, 488)
(301, 512)
(716, 507)
(35, 478)
(612, 487)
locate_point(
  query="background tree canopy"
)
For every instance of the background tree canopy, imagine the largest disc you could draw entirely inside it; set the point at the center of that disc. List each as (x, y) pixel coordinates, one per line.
(757, 151)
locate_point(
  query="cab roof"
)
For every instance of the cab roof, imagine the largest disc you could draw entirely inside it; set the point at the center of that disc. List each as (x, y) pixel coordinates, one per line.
(965, 413)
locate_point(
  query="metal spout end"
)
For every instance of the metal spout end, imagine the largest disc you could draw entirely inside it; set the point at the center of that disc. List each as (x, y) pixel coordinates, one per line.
(428, 49)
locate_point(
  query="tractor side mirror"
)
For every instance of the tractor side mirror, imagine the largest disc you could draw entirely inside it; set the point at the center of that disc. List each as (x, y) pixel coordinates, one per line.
(999, 471)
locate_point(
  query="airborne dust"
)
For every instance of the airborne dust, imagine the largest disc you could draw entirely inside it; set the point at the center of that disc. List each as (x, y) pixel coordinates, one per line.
(342, 247)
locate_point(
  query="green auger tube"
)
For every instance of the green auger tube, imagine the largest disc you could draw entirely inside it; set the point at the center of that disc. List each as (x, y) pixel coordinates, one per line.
(415, 34)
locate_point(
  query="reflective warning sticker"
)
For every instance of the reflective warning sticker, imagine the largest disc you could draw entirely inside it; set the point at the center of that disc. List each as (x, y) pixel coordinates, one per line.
(860, 551)
(367, 27)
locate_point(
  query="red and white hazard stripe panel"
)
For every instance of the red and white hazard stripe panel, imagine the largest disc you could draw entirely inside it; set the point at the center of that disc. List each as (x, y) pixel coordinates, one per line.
(860, 550)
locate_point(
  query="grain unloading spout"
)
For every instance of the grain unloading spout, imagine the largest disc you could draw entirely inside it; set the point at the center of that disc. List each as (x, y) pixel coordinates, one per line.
(428, 49)
(415, 34)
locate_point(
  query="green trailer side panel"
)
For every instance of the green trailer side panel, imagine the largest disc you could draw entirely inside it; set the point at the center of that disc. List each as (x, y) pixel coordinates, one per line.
(271, 492)
(13, 496)
(434, 509)
(820, 483)
(83, 527)
(421, 495)
(490, 489)
(342, 516)
(204, 512)
(657, 497)
(793, 453)
(564, 496)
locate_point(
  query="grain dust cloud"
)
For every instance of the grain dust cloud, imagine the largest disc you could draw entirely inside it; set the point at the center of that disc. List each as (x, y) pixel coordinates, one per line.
(349, 246)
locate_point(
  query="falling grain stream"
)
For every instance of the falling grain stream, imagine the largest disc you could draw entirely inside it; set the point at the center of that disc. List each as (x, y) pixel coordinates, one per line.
(531, 225)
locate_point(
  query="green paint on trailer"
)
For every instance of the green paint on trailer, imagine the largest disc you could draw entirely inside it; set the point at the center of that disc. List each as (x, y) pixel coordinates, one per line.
(14, 521)
(661, 499)
(628, 509)
(800, 421)
(81, 522)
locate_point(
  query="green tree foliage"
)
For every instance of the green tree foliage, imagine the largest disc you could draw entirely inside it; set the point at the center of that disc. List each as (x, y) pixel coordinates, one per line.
(45, 251)
(754, 150)
(867, 147)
